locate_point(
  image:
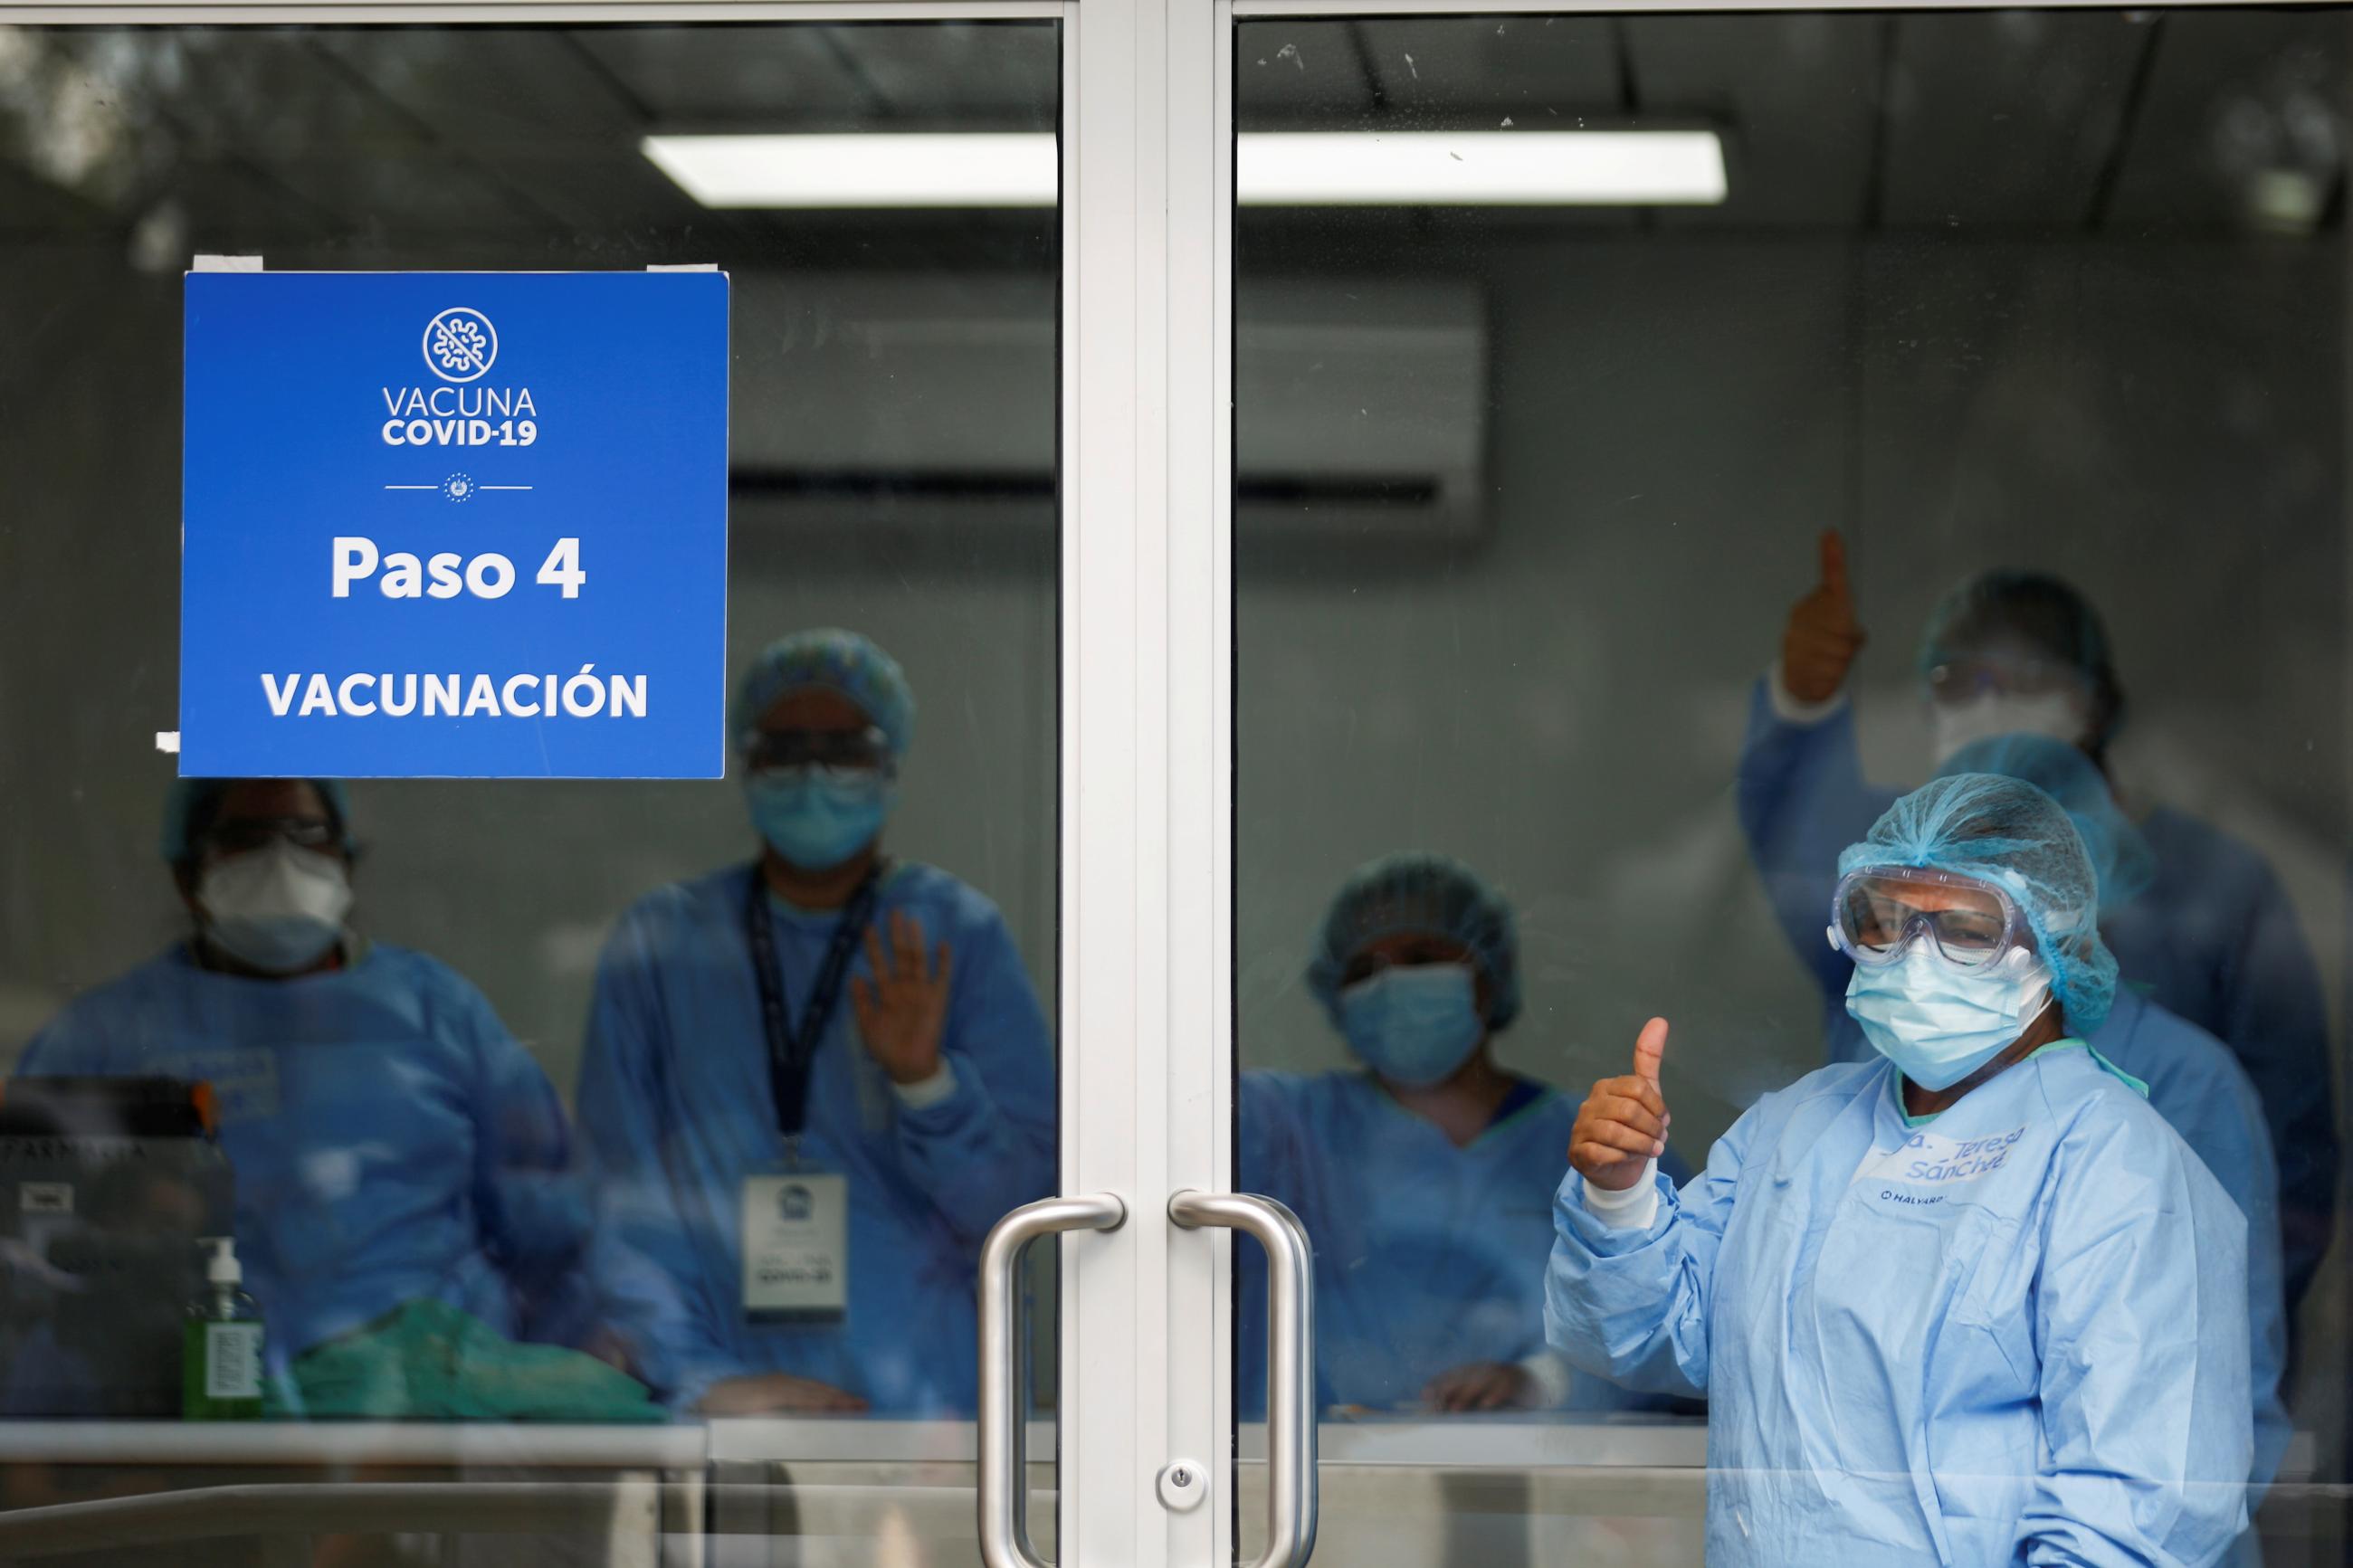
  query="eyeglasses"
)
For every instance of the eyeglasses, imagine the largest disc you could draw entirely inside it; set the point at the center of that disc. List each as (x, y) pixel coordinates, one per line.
(1958, 680)
(244, 835)
(776, 751)
(1878, 912)
(1435, 950)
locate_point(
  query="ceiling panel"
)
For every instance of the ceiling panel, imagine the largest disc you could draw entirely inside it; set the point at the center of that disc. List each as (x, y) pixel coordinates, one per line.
(998, 77)
(2005, 118)
(2232, 96)
(1427, 73)
(1303, 74)
(1542, 72)
(610, 194)
(264, 94)
(703, 76)
(498, 85)
(231, 208)
(2018, 117)
(1797, 98)
(420, 194)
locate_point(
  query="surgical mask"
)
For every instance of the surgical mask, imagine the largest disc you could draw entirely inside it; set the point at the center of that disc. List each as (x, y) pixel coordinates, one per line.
(1938, 1022)
(1414, 1024)
(816, 817)
(277, 910)
(2058, 714)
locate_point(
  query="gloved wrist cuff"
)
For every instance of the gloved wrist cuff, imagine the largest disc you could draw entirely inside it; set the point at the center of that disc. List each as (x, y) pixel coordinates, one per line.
(1632, 1208)
(1789, 710)
(924, 1093)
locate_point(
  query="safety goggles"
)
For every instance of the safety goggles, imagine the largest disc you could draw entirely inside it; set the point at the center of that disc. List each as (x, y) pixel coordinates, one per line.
(1968, 677)
(1880, 912)
(778, 751)
(244, 835)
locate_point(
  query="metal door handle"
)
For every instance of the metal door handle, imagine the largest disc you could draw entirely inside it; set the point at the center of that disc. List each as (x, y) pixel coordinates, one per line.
(1004, 1466)
(1290, 1361)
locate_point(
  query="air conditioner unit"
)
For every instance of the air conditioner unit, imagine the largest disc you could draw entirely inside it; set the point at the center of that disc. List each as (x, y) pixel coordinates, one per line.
(917, 381)
(1360, 409)
(1361, 405)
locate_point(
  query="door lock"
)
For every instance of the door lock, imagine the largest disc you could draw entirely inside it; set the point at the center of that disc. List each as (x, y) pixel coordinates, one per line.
(1183, 1484)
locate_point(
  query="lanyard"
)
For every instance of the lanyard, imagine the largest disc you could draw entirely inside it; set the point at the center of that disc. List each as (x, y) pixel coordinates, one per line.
(792, 1050)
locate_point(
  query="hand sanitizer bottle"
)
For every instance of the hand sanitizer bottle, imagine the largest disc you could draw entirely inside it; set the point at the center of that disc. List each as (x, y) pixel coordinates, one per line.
(220, 1355)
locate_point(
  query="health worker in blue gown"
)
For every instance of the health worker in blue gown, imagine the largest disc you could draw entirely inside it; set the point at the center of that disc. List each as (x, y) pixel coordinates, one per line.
(1972, 1303)
(2212, 938)
(2193, 1079)
(813, 1081)
(406, 1191)
(1424, 1174)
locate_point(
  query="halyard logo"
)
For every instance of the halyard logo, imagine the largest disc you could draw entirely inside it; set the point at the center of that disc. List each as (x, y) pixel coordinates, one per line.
(461, 344)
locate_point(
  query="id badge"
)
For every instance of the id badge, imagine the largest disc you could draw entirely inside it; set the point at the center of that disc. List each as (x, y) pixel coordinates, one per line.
(796, 1245)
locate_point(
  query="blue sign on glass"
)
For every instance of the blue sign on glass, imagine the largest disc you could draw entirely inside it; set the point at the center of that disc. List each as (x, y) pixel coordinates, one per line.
(455, 524)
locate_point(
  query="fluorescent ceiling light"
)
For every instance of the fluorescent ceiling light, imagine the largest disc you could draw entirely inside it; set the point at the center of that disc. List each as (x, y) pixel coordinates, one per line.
(1348, 168)
(1482, 168)
(880, 169)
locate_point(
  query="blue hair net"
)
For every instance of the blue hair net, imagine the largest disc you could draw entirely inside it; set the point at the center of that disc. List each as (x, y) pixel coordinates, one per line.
(192, 804)
(1428, 895)
(837, 660)
(2007, 832)
(2047, 612)
(2121, 857)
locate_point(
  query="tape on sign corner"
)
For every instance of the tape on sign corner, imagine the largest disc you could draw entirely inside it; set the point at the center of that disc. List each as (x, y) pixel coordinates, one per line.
(168, 742)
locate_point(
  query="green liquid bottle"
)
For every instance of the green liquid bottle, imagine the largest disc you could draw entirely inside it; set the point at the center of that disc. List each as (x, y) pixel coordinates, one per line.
(220, 1349)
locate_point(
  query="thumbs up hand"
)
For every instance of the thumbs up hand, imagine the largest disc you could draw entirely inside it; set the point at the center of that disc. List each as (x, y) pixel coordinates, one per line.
(1818, 644)
(1623, 1123)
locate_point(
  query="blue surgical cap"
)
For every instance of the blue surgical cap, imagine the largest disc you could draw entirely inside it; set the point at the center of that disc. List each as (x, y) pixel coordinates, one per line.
(1428, 895)
(190, 807)
(2121, 857)
(2009, 833)
(839, 661)
(2049, 613)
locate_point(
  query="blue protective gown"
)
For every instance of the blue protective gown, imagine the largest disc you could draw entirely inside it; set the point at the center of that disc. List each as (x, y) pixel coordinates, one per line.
(676, 1104)
(2015, 1335)
(391, 1140)
(2196, 1085)
(2212, 939)
(1428, 1256)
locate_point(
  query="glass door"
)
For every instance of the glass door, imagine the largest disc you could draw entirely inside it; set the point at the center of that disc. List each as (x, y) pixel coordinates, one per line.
(498, 1136)
(1662, 441)
(1273, 496)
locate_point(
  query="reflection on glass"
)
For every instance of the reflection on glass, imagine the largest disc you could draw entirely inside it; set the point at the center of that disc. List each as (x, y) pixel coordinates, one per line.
(2201, 925)
(1422, 1172)
(2020, 685)
(404, 1204)
(2038, 317)
(1978, 1268)
(512, 1182)
(807, 1213)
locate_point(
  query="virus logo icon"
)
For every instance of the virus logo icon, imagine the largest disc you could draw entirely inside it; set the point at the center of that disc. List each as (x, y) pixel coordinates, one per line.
(461, 344)
(459, 487)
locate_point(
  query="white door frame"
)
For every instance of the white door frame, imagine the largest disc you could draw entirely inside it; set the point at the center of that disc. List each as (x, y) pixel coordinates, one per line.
(1148, 1046)
(1146, 762)
(1144, 918)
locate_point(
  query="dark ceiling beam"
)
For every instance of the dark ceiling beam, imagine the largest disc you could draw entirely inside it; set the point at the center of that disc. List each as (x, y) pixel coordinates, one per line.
(1377, 91)
(2112, 168)
(1882, 100)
